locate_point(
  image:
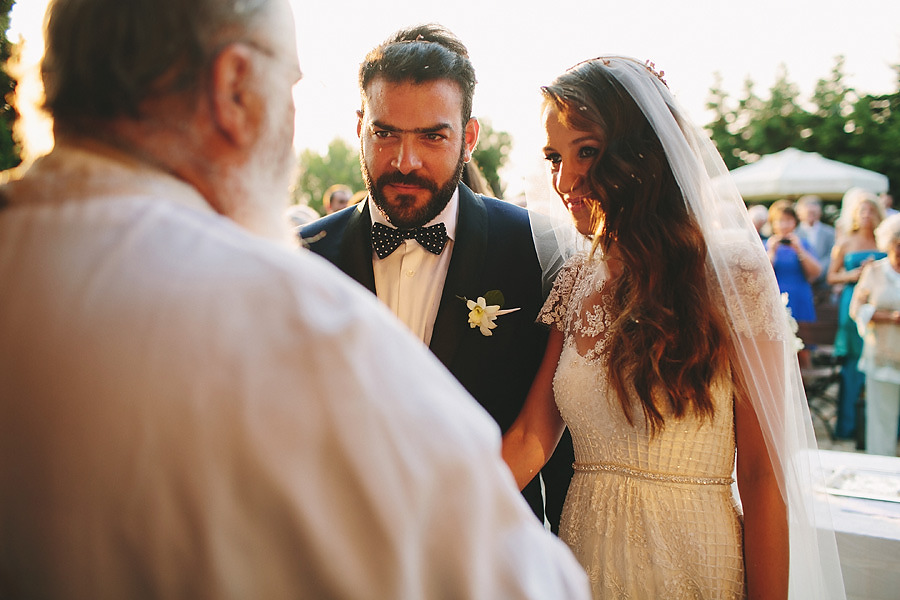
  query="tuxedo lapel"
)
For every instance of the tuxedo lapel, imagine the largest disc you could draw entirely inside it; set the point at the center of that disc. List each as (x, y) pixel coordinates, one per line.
(466, 264)
(355, 257)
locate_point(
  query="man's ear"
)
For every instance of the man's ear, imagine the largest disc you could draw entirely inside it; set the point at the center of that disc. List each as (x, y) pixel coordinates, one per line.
(236, 104)
(359, 122)
(472, 130)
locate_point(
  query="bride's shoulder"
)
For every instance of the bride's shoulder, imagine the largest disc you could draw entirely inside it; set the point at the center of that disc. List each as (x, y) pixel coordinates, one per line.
(568, 275)
(746, 285)
(739, 250)
(575, 265)
(579, 261)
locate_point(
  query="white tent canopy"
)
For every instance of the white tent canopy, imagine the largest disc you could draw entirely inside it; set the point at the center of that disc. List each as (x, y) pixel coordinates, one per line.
(792, 173)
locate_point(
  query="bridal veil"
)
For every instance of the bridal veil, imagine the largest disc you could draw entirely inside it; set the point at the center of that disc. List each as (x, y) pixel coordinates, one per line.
(765, 344)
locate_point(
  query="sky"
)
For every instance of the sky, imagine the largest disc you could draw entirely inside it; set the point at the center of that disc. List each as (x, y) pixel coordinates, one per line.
(518, 45)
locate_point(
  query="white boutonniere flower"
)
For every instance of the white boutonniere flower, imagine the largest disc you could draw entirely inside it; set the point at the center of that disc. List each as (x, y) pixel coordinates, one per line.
(484, 315)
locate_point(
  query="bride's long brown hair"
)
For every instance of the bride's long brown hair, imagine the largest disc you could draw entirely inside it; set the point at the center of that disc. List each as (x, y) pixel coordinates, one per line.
(669, 340)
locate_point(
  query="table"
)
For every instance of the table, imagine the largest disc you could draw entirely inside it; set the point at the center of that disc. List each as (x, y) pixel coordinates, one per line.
(867, 530)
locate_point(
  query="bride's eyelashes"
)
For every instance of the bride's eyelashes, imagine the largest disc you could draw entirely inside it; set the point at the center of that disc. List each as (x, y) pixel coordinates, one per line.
(585, 152)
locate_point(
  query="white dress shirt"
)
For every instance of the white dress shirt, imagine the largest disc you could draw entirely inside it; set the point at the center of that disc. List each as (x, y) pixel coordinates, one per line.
(410, 281)
(189, 411)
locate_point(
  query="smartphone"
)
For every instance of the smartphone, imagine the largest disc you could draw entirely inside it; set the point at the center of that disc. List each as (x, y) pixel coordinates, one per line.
(784, 241)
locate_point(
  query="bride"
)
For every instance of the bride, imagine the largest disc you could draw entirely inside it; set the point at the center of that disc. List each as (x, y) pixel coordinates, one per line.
(670, 354)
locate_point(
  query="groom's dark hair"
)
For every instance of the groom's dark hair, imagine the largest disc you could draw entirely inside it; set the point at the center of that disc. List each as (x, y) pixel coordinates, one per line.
(421, 53)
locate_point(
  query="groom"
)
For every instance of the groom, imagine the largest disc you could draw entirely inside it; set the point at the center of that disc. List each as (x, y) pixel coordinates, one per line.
(426, 244)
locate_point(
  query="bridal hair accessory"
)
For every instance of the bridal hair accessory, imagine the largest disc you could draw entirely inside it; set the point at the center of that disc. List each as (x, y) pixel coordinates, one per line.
(659, 74)
(607, 60)
(484, 315)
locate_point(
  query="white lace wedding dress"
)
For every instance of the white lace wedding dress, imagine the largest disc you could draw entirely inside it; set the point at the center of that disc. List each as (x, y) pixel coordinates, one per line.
(647, 517)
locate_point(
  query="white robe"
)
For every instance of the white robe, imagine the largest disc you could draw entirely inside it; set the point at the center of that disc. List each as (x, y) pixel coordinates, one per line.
(189, 411)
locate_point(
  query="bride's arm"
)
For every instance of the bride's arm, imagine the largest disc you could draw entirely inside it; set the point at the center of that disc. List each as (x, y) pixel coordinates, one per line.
(766, 543)
(528, 444)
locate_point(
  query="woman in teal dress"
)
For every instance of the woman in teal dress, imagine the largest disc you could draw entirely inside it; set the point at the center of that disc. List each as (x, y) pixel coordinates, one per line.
(854, 249)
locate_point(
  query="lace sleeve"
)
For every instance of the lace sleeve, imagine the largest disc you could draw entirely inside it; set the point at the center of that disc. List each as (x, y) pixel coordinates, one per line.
(554, 310)
(751, 296)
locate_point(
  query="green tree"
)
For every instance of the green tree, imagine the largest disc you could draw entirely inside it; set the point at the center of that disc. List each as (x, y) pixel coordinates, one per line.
(10, 151)
(876, 134)
(861, 130)
(759, 126)
(317, 172)
(828, 130)
(491, 155)
(779, 119)
(721, 128)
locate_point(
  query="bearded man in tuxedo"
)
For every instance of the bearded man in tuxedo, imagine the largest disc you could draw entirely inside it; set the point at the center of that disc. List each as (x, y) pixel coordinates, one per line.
(430, 248)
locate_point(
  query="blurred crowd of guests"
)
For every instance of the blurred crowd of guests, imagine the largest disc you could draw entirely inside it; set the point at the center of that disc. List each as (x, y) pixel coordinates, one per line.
(335, 198)
(851, 270)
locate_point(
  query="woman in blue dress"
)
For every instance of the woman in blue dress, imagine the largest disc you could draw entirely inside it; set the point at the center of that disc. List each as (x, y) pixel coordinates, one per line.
(794, 262)
(854, 249)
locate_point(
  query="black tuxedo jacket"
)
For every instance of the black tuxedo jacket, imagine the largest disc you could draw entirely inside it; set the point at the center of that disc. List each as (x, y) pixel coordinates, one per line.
(493, 250)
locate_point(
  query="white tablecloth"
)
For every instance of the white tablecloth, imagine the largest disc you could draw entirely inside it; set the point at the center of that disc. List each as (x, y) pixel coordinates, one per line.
(867, 530)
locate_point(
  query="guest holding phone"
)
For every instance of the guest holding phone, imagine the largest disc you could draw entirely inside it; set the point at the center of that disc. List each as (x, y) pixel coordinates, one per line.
(792, 258)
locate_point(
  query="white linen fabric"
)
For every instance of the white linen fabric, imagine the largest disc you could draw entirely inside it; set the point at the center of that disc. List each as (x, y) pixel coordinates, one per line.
(764, 341)
(410, 281)
(189, 411)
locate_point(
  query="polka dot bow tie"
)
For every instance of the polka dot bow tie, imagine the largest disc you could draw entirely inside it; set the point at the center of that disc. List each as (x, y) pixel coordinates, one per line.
(387, 239)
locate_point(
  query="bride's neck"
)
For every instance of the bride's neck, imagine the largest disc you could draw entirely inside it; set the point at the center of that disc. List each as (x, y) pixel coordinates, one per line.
(614, 263)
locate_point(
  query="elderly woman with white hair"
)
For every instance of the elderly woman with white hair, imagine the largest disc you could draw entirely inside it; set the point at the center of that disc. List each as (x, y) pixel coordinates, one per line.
(876, 308)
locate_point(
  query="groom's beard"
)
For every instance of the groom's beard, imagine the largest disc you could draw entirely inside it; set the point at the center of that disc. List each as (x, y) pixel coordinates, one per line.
(403, 212)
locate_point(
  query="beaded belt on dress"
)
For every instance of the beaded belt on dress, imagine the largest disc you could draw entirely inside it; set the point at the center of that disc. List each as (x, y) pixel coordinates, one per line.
(665, 477)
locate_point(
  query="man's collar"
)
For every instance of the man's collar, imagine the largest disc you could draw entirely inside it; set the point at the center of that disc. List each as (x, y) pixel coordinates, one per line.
(93, 170)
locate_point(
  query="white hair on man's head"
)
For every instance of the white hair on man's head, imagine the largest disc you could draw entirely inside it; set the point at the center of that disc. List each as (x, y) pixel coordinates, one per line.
(759, 214)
